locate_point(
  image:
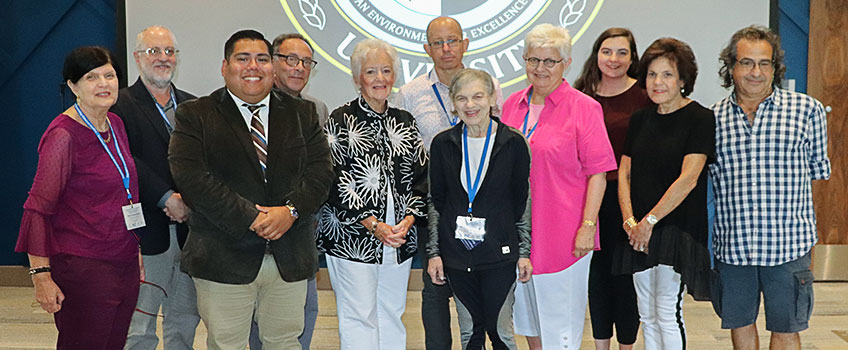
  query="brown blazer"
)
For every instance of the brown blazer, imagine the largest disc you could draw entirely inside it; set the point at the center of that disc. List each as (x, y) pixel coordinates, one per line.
(214, 163)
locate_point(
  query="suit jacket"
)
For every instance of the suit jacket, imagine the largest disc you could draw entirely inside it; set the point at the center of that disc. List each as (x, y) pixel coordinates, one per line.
(214, 163)
(148, 137)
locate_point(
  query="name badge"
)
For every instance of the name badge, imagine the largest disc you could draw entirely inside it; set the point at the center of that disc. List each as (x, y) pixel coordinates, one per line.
(470, 228)
(133, 217)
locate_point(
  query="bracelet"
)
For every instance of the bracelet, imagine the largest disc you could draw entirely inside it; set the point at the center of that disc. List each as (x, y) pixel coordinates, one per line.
(374, 225)
(37, 270)
(630, 222)
(589, 223)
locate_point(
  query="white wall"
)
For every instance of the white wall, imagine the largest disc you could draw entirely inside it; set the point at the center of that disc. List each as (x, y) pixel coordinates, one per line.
(202, 27)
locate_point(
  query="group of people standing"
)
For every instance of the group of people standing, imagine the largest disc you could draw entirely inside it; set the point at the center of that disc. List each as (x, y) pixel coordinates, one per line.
(612, 209)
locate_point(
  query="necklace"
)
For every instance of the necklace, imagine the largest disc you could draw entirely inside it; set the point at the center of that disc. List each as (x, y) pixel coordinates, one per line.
(108, 137)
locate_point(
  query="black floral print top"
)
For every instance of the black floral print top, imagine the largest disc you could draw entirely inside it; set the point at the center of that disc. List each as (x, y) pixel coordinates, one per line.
(371, 152)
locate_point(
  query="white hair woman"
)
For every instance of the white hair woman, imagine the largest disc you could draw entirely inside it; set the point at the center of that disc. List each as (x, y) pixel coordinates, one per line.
(366, 227)
(571, 155)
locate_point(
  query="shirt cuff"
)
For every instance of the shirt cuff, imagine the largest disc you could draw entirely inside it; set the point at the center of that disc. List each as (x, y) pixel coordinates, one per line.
(161, 203)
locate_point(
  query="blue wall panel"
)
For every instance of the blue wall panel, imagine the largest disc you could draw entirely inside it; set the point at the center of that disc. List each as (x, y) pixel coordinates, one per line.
(36, 37)
(794, 35)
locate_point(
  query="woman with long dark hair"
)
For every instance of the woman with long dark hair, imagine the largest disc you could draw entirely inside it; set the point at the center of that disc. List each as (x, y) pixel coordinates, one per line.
(609, 76)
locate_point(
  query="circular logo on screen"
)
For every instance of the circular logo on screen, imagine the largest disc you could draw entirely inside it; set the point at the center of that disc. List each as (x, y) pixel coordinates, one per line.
(495, 29)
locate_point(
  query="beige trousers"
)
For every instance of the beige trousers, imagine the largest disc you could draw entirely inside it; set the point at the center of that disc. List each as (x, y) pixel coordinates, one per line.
(227, 309)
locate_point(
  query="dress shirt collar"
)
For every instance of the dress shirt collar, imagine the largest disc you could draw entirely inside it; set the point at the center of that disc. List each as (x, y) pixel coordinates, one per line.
(433, 78)
(554, 98)
(774, 98)
(247, 115)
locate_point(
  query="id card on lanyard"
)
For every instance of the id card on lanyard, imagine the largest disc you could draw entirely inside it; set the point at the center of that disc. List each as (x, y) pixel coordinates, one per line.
(469, 227)
(133, 216)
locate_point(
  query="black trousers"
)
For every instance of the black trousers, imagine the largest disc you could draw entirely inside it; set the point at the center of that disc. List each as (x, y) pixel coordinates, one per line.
(435, 310)
(612, 298)
(483, 293)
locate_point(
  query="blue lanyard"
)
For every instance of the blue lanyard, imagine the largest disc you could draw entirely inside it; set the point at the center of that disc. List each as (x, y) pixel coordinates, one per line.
(162, 111)
(527, 118)
(472, 189)
(451, 119)
(125, 174)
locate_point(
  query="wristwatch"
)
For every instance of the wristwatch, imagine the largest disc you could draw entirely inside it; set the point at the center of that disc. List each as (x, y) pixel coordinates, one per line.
(652, 219)
(292, 210)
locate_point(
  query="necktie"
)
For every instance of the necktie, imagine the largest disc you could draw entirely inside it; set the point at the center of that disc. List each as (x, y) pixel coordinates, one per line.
(257, 133)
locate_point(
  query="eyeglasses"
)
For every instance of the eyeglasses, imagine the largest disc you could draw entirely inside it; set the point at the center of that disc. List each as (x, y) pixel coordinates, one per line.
(748, 64)
(533, 62)
(155, 51)
(452, 43)
(293, 60)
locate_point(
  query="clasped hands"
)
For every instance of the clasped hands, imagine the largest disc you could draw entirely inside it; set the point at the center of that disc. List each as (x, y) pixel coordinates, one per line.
(392, 236)
(272, 222)
(640, 235)
(176, 209)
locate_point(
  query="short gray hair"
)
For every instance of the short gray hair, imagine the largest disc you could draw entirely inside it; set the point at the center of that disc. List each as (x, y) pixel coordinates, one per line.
(546, 36)
(139, 39)
(368, 48)
(468, 75)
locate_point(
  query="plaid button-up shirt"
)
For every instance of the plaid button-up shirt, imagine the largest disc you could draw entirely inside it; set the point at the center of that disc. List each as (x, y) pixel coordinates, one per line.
(762, 178)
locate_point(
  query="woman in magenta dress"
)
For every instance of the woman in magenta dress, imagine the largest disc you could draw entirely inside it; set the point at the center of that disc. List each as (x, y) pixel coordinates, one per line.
(609, 76)
(571, 155)
(84, 259)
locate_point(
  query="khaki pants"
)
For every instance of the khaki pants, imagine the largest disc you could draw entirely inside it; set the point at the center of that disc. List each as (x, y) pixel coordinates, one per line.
(227, 309)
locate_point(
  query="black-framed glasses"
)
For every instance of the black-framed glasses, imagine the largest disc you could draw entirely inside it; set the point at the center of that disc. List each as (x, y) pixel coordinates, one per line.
(748, 64)
(293, 60)
(155, 51)
(533, 62)
(452, 43)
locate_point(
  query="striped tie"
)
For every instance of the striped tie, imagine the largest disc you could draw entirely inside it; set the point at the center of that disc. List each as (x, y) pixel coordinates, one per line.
(257, 133)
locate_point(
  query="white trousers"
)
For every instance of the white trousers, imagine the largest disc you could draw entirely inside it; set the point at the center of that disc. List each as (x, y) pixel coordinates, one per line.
(552, 306)
(660, 300)
(179, 308)
(370, 300)
(227, 310)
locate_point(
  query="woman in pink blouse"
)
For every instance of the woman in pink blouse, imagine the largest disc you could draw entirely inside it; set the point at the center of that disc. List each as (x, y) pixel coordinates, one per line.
(571, 155)
(76, 227)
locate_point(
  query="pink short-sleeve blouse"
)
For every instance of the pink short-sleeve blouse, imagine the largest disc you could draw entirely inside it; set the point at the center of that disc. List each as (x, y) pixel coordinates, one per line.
(569, 144)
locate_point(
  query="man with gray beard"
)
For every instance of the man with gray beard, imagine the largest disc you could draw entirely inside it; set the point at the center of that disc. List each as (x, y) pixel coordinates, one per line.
(147, 108)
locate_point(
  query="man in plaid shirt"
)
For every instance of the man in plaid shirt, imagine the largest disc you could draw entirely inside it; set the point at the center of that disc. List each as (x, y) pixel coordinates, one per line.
(770, 144)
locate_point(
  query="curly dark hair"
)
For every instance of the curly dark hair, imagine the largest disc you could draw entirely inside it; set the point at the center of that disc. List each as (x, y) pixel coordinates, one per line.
(591, 74)
(678, 53)
(753, 33)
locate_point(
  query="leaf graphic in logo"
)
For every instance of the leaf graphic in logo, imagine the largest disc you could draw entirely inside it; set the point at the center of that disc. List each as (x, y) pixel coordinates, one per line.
(571, 12)
(313, 13)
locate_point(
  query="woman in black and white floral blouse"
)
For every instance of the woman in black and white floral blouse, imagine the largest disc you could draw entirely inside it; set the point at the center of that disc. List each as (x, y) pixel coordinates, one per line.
(366, 228)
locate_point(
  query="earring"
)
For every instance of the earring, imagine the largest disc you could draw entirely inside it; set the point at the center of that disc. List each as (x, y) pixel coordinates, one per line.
(682, 91)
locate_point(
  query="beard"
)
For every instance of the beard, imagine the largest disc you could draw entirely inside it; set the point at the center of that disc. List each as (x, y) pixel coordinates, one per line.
(160, 81)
